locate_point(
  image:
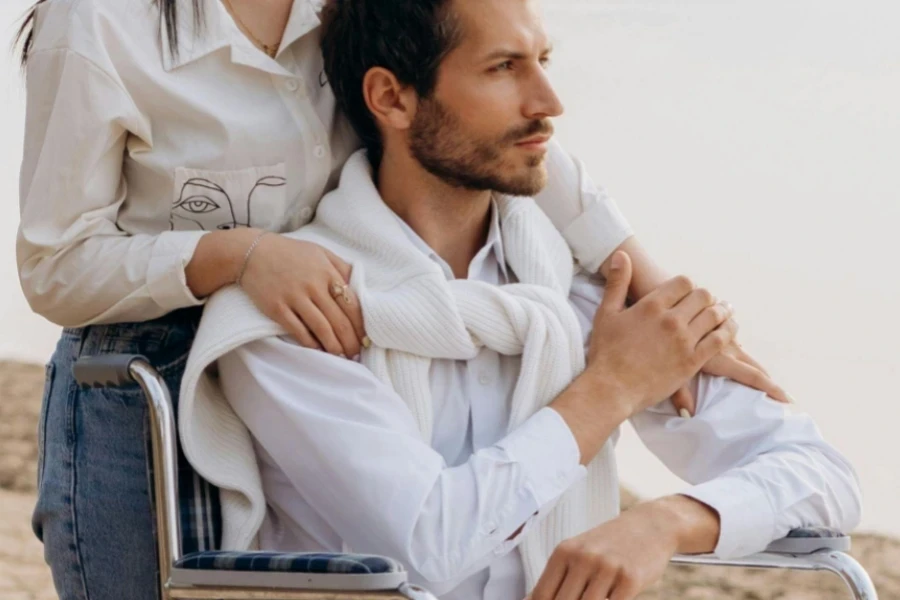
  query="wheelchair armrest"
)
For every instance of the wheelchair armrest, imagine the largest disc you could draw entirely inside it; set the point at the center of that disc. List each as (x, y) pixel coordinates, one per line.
(106, 370)
(299, 571)
(810, 539)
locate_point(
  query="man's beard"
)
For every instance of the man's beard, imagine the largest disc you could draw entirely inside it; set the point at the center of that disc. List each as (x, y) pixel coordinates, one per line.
(442, 148)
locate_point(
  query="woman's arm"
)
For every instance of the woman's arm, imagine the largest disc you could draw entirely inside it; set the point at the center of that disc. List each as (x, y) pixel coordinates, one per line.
(76, 266)
(595, 228)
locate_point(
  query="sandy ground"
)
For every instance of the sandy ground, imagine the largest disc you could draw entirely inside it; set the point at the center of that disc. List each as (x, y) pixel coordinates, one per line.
(24, 576)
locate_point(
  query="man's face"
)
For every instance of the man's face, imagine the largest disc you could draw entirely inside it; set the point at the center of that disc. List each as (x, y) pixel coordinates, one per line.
(486, 125)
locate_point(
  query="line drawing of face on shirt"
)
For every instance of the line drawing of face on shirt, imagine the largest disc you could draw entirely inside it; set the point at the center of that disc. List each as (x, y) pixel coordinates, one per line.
(205, 206)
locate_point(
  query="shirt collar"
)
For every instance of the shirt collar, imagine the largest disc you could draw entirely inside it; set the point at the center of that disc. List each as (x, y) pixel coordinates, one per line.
(493, 245)
(219, 30)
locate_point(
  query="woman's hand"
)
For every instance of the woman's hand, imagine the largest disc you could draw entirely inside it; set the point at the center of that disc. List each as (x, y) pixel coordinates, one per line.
(735, 364)
(304, 288)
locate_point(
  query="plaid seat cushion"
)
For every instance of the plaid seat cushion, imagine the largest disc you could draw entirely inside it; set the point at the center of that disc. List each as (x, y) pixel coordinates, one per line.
(304, 562)
(200, 509)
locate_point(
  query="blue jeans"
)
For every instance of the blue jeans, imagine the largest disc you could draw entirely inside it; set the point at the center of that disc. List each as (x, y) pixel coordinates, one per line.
(95, 511)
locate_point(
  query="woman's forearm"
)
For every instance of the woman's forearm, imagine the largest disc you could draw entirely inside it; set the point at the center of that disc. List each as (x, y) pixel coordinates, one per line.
(218, 259)
(646, 274)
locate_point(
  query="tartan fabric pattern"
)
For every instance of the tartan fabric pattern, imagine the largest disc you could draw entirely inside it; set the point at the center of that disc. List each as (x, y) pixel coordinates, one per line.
(199, 508)
(280, 562)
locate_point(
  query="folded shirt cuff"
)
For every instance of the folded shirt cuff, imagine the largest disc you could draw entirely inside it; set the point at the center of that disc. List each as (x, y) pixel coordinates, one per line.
(166, 280)
(596, 233)
(746, 515)
(547, 451)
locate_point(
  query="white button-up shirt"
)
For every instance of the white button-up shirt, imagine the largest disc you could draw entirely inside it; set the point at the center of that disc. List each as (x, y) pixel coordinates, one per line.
(344, 465)
(132, 154)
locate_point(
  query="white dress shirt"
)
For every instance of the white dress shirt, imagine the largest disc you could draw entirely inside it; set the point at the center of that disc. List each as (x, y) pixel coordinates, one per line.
(344, 466)
(132, 154)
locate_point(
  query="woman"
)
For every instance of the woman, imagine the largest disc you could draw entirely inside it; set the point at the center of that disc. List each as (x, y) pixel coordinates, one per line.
(163, 142)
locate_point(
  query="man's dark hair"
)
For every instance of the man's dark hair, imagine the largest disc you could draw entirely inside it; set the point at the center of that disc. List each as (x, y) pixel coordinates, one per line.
(410, 38)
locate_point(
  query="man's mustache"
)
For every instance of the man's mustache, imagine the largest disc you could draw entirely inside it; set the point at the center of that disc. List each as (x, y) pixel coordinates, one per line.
(538, 127)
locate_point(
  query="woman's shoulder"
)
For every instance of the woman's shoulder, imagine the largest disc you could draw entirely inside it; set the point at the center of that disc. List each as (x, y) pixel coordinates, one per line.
(98, 30)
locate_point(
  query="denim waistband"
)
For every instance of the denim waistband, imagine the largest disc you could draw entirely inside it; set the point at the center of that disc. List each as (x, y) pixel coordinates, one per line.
(163, 338)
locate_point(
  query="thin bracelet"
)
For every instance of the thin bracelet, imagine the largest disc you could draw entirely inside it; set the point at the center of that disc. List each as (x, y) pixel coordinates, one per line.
(247, 256)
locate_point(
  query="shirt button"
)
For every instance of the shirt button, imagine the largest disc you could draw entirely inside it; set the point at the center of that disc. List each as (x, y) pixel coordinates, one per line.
(292, 85)
(306, 213)
(484, 379)
(491, 527)
(319, 151)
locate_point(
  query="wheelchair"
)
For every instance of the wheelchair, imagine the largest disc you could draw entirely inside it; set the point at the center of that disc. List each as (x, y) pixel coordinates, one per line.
(189, 570)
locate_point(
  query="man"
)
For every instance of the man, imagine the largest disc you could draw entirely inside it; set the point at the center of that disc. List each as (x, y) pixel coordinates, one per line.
(474, 442)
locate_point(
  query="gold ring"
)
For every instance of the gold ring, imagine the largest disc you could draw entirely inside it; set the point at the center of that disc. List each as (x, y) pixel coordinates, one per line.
(340, 290)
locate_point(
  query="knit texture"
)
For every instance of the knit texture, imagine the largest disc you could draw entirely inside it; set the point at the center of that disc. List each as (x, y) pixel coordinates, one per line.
(413, 314)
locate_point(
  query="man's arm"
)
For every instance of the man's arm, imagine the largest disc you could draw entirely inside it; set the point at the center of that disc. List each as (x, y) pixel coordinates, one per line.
(758, 473)
(742, 442)
(764, 470)
(351, 449)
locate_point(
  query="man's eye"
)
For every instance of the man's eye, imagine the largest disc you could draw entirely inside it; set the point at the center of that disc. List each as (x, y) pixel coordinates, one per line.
(504, 66)
(546, 62)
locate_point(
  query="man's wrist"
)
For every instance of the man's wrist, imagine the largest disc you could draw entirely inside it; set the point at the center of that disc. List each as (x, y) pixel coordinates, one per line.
(694, 526)
(602, 390)
(592, 410)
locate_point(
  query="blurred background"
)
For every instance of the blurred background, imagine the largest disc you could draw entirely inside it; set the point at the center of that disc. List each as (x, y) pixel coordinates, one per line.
(753, 144)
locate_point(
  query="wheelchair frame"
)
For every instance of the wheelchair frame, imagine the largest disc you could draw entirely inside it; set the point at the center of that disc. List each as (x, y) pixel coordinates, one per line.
(802, 550)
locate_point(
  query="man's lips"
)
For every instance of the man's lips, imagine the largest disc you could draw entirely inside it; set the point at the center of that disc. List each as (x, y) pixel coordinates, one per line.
(533, 142)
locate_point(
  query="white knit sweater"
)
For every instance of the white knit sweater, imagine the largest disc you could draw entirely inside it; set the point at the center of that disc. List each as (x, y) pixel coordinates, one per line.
(413, 314)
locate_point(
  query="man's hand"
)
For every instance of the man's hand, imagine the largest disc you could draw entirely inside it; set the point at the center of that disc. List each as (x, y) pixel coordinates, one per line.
(644, 353)
(621, 558)
(732, 363)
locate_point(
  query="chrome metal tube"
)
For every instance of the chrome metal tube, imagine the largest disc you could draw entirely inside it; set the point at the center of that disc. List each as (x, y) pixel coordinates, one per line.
(415, 592)
(839, 563)
(165, 465)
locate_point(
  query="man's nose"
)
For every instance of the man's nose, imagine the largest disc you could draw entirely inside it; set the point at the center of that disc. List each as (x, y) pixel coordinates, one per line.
(542, 101)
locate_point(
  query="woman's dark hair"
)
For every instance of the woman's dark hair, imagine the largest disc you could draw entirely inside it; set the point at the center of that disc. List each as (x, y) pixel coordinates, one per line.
(25, 35)
(410, 38)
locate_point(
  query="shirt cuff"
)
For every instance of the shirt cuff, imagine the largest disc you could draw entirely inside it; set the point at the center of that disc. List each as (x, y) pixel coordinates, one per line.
(597, 232)
(166, 280)
(747, 521)
(548, 453)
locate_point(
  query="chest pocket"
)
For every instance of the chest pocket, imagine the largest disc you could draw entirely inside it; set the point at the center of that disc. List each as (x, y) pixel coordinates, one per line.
(215, 200)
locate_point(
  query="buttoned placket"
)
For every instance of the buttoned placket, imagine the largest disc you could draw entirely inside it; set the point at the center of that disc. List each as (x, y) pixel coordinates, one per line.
(292, 87)
(294, 91)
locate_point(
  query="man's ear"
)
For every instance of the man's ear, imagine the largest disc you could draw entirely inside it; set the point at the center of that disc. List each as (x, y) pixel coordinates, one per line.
(392, 104)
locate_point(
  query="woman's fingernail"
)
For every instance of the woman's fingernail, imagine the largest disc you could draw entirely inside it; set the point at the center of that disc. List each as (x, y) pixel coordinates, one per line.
(366, 342)
(790, 398)
(342, 355)
(356, 358)
(685, 413)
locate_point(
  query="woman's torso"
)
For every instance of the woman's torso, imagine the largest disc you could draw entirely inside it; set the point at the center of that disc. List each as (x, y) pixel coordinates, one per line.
(219, 135)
